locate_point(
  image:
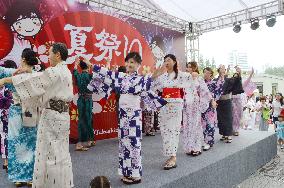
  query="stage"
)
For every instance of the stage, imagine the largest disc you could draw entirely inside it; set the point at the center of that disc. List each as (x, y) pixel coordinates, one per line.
(224, 166)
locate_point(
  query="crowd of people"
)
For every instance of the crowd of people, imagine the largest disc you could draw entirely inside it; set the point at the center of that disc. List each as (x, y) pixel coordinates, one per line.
(35, 134)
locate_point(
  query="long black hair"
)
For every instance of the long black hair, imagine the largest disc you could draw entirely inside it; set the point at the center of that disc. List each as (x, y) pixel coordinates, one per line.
(30, 56)
(173, 57)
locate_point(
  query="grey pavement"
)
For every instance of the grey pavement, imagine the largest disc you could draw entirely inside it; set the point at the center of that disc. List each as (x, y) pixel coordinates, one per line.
(102, 160)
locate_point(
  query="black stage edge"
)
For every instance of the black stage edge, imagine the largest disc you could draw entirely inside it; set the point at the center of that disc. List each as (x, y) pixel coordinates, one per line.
(224, 166)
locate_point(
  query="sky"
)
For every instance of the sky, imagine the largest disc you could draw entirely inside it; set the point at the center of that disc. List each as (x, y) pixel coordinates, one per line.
(263, 46)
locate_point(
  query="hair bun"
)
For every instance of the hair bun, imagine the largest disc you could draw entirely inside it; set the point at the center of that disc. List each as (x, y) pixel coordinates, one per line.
(32, 60)
(30, 56)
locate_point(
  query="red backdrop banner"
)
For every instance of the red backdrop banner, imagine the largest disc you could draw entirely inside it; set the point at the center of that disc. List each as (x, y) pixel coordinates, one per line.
(90, 33)
(95, 36)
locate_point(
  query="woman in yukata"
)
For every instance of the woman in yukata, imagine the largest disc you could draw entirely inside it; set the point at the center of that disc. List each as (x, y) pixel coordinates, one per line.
(133, 89)
(171, 84)
(21, 138)
(6, 99)
(224, 108)
(209, 117)
(85, 106)
(197, 101)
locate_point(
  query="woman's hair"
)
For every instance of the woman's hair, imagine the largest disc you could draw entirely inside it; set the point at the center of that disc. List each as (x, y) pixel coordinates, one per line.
(100, 182)
(194, 66)
(263, 98)
(121, 69)
(209, 69)
(135, 56)
(21, 9)
(173, 57)
(29, 56)
(281, 98)
(9, 64)
(83, 65)
(235, 75)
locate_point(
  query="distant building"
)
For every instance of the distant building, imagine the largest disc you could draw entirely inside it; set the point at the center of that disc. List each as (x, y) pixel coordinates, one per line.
(240, 59)
(268, 84)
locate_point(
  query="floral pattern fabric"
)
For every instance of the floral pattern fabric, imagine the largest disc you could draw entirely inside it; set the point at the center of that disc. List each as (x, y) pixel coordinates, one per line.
(170, 116)
(21, 140)
(209, 117)
(6, 100)
(192, 128)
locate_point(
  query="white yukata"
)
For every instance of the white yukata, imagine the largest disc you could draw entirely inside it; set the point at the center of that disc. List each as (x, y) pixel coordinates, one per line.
(53, 167)
(197, 101)
(170, 115)
(251, 105)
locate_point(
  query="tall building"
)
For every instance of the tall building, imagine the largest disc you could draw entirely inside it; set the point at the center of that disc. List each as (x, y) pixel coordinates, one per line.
(240, 59)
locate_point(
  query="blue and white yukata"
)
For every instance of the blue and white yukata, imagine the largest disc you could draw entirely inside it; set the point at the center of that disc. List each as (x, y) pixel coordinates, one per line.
(132, 89)
(21, 139)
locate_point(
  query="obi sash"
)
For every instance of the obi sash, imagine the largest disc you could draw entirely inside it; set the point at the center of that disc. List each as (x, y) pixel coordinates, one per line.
(176, 93)
(129, 101)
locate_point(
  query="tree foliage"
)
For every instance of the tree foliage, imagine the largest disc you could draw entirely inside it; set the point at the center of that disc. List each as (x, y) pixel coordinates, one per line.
(276, 71)
(206, 63)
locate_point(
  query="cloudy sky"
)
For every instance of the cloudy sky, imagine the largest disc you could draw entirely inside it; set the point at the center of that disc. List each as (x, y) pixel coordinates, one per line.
(263, 46)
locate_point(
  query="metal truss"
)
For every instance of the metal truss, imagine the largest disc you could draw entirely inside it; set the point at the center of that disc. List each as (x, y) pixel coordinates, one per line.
(243, 16)
(139, 11)
(192, 30)
(129, 8)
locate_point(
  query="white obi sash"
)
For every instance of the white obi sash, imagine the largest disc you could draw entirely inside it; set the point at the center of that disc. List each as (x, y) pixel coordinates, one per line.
(129, 101)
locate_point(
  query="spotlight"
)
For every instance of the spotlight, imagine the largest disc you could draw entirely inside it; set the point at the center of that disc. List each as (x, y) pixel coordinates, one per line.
(237, 27)
(254, 23)
(270, 20)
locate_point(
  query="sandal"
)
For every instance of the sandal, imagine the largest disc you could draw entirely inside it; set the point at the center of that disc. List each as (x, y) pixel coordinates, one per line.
(236, 133)
(131, 181)
(82, 148)
(195, 153)
(150, 134)
(170, 166)
(223, 138)
(206, 147)
(228, 140)
(29, 184)
(93, 143)
(167, 162)
(19, 184)
(124, 177)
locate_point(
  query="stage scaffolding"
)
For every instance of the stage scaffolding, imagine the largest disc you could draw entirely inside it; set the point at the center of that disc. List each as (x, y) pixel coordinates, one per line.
(192, 30)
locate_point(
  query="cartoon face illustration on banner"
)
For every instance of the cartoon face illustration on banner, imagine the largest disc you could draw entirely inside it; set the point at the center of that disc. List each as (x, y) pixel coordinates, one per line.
(96, 37)
(24, 18)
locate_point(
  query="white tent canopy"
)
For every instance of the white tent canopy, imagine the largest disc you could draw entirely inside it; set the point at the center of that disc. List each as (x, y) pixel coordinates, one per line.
(204, 16)
(217, 14)
(198, 10)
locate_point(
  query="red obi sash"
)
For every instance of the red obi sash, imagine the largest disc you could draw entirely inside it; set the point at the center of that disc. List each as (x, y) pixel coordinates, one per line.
(172, 93)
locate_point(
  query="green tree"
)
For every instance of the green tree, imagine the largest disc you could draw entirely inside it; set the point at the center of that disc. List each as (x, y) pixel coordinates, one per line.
(276, 71)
